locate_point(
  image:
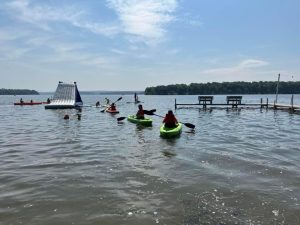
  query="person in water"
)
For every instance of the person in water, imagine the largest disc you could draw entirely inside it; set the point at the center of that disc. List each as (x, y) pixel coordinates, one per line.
(135, 97)
(140, 113)
(107, 101)
(97, 104)
(112, 107)
(170, 120)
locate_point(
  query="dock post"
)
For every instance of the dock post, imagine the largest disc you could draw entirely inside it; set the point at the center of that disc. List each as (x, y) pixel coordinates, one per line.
(267, 103)
(175, 104)
(261, 103)
(277, 88)
(292, 103)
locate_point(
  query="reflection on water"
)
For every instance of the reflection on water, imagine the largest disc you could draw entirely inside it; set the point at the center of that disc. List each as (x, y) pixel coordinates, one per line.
(239, 166)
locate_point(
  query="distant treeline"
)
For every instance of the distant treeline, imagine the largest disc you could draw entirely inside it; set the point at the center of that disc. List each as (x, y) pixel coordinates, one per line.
(214, 88)
(110, 92)
(17, 92)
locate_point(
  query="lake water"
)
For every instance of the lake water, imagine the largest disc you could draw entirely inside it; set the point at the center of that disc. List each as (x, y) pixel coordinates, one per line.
(238, 167)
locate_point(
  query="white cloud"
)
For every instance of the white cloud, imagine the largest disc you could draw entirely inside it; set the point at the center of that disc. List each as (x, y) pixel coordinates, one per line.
(7, 36)
(246, 70)
(173, 51)
(12, 53)
(120, 52)
(142, 21)
(245, 65)
(42, 15)
(195, 23)
(191, 20)
(74, 53)
(252, 63)
(44, 49)
(145, 20)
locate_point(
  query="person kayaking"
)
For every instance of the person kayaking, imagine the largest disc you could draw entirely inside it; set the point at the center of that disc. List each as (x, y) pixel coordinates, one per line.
(31, 101)
(48, 101)
(170, 120)
(97, 104)
(112, 107)
(140, 112)
(21, 100)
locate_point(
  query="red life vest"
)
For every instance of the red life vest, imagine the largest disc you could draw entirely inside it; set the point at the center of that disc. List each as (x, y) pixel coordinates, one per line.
(112, 107)
(140, 113)
(170, 119)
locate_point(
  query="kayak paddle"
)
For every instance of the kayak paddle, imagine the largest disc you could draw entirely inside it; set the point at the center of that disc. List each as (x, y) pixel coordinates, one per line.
(121, 118)
(149, 112)
(189, 125)
(112, 103)
(145, 111)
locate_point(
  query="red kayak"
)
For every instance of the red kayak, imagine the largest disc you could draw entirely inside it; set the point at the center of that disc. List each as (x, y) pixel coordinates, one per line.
(112, 111)
(28, 103)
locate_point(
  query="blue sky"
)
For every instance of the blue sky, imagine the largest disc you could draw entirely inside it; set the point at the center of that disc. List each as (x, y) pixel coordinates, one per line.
(132, 44)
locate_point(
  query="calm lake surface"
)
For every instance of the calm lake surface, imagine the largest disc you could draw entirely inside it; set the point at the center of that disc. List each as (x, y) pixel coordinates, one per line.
(239, 167)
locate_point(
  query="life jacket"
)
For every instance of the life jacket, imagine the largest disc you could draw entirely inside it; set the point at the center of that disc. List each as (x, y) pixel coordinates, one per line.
(112, 107)
(140, 113)
(170, 119)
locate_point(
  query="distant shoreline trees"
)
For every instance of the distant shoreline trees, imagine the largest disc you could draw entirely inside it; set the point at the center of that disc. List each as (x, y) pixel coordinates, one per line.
(17, 92)
(215, 88)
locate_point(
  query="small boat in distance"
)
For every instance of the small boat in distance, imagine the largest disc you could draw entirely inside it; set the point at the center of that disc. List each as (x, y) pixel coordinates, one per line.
(29, 103)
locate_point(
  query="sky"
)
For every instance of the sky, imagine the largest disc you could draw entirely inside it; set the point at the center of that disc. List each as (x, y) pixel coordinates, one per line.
(134, 44)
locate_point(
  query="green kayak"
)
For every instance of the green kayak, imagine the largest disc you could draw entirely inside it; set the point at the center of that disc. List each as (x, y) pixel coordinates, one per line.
(170, 132)
(145, 122)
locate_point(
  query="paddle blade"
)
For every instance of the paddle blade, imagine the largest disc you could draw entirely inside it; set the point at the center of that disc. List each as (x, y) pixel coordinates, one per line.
(119, 99)
(121, 118)
(147, 112)
(189, 125)
(153, 110)
(102, 110)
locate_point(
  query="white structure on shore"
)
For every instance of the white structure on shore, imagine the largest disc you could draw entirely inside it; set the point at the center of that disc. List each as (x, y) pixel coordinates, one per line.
(66, 96)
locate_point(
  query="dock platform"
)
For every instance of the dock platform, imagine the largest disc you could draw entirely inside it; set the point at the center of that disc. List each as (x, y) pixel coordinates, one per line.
(236, 102)
(286, 107)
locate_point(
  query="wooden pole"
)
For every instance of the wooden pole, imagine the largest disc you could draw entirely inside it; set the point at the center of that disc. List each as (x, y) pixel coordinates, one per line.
(277, 88)
(292, 103)
(261, 103)
(175, 104)
(292, 99)
(267, 103)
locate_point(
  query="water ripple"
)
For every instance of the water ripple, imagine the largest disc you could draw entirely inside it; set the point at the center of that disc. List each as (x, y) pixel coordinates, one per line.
(238, 167)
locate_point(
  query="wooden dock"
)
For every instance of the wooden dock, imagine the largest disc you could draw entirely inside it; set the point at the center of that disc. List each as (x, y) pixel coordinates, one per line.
(236, 102)
(292, 108)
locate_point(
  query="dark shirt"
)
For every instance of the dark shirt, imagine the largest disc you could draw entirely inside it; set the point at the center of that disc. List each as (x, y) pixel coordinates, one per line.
(140, 114)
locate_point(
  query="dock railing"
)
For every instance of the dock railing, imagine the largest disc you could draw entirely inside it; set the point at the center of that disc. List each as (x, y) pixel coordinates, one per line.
(234, 101)
(205, 100)
(231, 101)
